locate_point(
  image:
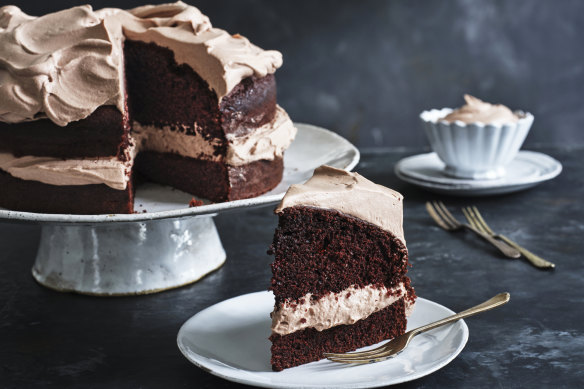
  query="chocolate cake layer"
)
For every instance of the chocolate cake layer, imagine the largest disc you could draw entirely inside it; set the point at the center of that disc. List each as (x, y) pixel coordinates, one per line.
(322, 250)
(254, 178)
(166, 93)
(211, 180)
(103, 133)
(34, 196)
(309, 345)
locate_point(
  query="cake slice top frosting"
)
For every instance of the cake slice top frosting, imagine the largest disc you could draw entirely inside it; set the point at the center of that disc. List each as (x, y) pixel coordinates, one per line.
(65, 65)
(352, 194)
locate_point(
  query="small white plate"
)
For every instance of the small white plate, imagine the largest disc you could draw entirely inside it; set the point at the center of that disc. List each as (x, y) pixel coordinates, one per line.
(230, 340)
(528, 169)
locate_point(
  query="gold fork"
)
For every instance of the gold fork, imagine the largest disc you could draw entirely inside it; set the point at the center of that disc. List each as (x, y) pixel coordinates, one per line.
(474, 217)
(444, 219)
(397, 345)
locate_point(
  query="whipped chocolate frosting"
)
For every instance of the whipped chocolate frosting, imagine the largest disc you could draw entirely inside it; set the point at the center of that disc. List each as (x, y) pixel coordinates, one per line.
(64, 65)
(352, 194)
(476, 110)
(346, 307)
(174, 140)
(60, 66)
(56, 171)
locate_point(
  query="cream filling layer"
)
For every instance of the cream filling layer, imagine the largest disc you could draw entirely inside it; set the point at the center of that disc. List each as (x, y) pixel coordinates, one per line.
(347, 307)
(266, 142)
(174, 140)
(82, 171)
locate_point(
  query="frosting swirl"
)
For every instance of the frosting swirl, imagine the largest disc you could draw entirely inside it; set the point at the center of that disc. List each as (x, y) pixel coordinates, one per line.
(60, 66)
(476, 110)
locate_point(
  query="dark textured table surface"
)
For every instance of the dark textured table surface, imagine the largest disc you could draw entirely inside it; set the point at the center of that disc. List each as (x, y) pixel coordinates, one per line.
(51, 339)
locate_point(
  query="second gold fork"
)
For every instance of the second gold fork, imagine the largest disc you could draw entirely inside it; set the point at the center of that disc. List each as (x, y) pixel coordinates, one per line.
(475, 218)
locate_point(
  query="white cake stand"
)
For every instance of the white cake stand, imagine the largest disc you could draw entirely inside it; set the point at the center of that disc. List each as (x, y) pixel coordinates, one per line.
(169, 245)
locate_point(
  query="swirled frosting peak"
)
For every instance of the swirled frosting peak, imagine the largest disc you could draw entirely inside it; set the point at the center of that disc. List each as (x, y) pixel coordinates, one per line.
(62, 65)
(476, 110)
(65, 65)
(176, 15)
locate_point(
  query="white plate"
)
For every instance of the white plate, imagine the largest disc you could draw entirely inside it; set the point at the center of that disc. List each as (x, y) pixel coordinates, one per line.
(230, 340)
(528, 169)
(313, 147)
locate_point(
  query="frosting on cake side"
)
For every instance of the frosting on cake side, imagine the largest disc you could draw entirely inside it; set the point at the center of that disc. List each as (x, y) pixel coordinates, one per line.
(76, 171)
(352, 194)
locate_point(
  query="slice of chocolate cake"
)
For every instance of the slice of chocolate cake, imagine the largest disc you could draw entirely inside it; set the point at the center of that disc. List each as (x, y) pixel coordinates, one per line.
(339, 274)
(89, 97)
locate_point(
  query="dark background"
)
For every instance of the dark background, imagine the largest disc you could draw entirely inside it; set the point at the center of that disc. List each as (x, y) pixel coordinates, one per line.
(366, 69)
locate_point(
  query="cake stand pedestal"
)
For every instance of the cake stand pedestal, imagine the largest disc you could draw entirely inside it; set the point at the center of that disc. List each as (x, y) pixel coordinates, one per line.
(127, 258)
(169, 245)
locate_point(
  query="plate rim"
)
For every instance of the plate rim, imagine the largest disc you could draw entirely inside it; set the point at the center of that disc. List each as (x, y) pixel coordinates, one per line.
(473, 192)
(466, 185)
(204, 210)
(266, 384)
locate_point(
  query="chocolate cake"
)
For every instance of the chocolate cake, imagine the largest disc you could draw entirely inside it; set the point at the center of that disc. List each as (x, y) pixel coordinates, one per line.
(339, 273)
(89, 99)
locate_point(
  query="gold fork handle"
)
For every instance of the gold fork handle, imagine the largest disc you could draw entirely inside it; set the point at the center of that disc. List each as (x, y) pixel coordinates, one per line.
(493, 302)
(504, 248)
(535, 260)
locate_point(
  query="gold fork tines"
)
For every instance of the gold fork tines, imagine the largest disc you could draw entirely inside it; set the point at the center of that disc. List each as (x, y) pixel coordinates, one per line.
(398, 344)
(475, 218)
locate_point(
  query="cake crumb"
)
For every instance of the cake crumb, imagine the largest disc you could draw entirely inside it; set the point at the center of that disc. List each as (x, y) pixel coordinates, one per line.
(195, 203)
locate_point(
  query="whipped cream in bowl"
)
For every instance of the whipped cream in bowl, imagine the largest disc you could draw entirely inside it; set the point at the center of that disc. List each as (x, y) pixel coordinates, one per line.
(477, 140)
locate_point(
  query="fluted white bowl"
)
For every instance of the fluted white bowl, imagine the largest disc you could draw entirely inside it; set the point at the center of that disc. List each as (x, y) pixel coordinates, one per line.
(475, 150)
